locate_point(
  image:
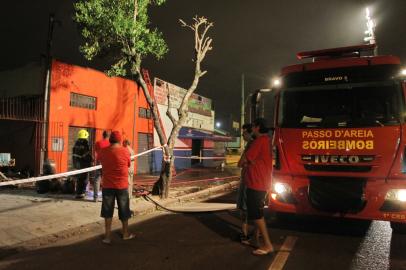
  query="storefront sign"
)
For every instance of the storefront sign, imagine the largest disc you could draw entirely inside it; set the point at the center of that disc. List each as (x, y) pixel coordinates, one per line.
(197, 104)
(198, 121)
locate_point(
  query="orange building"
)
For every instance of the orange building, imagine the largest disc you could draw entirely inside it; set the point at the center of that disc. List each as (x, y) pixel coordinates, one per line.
(79, 98)
(83, 98)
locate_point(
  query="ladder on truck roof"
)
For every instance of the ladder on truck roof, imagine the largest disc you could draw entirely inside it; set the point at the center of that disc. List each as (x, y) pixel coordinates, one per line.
(349, 51)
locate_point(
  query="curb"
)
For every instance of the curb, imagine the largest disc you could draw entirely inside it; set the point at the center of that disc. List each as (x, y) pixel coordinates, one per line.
(97, 227)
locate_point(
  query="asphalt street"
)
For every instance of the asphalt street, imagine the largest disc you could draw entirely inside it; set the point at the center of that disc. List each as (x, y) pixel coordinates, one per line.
(208, 241)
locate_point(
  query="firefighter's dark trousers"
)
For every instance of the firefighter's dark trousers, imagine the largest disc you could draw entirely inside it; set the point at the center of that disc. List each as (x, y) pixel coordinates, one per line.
(81, 183)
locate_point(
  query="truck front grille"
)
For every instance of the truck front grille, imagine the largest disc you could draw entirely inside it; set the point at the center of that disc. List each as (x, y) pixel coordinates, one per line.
(337, 194)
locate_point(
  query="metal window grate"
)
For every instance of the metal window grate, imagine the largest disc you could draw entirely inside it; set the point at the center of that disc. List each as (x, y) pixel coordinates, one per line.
(144, 113)
(82, 101)
(28, 108)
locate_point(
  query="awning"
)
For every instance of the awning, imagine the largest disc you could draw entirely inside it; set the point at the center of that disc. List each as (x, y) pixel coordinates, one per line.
(221, 138)
(191, 133)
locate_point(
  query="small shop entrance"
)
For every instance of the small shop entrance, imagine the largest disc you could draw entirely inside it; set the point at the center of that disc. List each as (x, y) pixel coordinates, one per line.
(196, 150)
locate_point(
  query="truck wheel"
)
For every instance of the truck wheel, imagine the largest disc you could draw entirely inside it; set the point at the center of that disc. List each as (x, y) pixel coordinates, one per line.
(398, 228)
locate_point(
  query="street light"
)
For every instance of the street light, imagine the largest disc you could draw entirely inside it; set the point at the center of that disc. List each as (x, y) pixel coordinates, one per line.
(276, 82)
(218, 124)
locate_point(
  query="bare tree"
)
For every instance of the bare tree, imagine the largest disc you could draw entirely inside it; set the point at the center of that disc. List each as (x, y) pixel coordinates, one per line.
(200, 28)
(120, 28)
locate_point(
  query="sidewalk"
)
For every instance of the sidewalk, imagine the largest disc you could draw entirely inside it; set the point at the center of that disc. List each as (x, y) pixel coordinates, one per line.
(26, 216)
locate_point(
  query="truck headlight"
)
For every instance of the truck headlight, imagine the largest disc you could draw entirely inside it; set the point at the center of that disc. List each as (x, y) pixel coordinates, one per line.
(282, 192)
(281, 188)
(396, 195)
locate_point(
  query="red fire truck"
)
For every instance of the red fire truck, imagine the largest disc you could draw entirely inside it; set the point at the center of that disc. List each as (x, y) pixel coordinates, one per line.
(339, 141)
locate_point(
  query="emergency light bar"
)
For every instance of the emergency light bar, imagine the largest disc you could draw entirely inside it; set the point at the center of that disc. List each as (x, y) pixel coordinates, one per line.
(337, 52)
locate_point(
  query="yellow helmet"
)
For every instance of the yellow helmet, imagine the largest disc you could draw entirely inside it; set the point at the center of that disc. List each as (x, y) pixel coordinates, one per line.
(83, 134)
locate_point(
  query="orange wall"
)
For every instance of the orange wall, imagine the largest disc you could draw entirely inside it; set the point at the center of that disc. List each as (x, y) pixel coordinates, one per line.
(118, 100)
(142, 123)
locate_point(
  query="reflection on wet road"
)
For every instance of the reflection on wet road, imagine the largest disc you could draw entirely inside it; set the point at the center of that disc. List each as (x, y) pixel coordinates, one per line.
(374, 249)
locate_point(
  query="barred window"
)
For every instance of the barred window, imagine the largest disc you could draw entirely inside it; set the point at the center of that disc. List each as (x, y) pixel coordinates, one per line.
(144, 113)
(82, 101)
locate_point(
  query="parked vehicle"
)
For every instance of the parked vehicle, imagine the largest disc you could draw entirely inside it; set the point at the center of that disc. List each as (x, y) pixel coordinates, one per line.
(339, 140)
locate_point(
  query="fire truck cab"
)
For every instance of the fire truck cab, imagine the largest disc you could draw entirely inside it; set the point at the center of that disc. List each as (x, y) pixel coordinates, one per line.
(339, 142)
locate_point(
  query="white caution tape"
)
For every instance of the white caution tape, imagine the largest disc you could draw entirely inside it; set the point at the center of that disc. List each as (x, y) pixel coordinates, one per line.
(146, 152)
(198, 157)
(48, 177)
(65, 174)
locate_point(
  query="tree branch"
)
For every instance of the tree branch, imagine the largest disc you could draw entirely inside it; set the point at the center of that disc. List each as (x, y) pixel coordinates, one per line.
(154, 109)
(168, 111)
(135, 10)
(202, 46)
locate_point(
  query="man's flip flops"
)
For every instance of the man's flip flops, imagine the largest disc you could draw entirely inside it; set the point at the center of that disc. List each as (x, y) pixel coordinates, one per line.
(261, 252)
(106, 241)
(129, 237)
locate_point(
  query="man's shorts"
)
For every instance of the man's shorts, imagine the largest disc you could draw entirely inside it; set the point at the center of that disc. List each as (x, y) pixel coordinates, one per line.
(123, 202)
(255, 203)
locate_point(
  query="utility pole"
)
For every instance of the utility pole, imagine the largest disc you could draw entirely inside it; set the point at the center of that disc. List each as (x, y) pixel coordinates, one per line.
(45, 123)
(242, 112)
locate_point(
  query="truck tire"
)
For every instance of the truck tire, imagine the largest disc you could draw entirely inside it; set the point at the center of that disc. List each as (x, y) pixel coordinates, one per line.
(398, 228)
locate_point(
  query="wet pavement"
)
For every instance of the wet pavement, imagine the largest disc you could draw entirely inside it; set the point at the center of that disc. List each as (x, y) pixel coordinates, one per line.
(208, 241)
(29, 219)
(198, 176)
(191, 180)
(329, 243)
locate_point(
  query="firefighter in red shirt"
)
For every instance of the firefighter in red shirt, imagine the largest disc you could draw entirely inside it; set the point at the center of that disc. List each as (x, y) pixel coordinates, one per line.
(258, 162)
(115, 161)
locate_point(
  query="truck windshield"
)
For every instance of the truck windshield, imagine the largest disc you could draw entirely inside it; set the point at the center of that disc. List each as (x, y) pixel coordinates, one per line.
(341, 106)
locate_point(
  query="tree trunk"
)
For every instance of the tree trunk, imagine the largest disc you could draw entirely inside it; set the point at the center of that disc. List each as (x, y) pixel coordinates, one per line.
(202, 46)
(161, 187)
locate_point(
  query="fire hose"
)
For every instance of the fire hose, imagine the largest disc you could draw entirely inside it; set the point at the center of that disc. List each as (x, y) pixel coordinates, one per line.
(145, 194)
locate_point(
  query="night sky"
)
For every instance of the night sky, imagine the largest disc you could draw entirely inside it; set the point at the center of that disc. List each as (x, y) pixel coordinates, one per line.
(254, 37)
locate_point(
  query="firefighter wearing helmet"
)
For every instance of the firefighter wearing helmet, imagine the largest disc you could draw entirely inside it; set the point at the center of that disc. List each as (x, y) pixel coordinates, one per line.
(82, 158)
